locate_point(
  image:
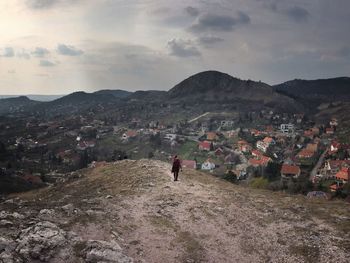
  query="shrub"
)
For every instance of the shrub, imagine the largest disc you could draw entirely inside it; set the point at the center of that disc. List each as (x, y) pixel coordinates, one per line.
(259, 182)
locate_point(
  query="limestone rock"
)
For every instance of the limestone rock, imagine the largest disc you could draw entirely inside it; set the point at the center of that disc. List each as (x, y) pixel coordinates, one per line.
(40, 241)
(103, 251)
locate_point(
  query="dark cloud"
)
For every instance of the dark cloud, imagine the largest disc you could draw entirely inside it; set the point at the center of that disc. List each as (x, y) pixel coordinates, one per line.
(41, 4)
(297, 13)
(40, 52)
(182, 48)
(46, 63)
(192, 11)
(209, 40)
(68, 50)
(8, 52)
(216, 22)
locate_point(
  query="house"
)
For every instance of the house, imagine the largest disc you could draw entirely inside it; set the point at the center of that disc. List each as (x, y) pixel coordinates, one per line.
(333, 122)
(244, 146)
(335, 146)
(208, 165)
(189, 164)
(290, 171)
(231, 134)
(170, 137)
(230, 159)
(269, 141)
(335, 187)
(313, 147)
(205, 146)
(129, 134)
(219, 151)
(255, 132)
(312, 132)
(334, 166)
(262, 161)
(330, 130)
(343, 175)
(83, 145)
(212, 136)
(227, 124)
(305, 154)
(287, 128)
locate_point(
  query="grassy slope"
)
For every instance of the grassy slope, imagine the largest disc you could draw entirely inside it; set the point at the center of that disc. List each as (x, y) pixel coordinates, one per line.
(201, 218)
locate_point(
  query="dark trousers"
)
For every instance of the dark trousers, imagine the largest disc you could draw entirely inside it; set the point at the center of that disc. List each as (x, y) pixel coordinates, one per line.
(176, 175)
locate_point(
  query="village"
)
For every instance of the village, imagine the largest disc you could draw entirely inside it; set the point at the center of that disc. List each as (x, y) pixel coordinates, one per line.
(276, 151)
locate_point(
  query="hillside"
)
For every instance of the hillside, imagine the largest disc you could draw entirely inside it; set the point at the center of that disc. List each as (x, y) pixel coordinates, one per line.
(132, 211)
(218, 87)
(16, 104)
(320, 89)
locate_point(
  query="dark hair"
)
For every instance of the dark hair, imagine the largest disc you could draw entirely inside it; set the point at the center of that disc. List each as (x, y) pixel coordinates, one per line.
(175, 156)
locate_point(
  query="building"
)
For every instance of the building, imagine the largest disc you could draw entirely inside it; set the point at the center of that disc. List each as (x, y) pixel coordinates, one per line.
(305, 154)
(290, 171)
(208, 165)
(287, 128)
(343, 175)
(244, 146)
(129, 134)
(219, 152)
(335, 146)
(263, 161)
(205, 146)
(227, 124)
(212, 136)
(330, 130)
(313, 147)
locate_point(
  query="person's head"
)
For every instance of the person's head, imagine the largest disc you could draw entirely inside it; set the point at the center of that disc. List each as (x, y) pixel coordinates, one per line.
(175, 157)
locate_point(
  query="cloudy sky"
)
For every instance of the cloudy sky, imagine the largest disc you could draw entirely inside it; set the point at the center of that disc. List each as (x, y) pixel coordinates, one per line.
(61, 46)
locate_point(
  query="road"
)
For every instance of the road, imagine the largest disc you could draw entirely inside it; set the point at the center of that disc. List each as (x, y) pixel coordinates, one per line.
(200, 116)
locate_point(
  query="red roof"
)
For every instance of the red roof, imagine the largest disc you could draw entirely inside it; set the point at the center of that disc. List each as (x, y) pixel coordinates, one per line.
(268, 140)
(131, 133)
(305, 153)
(343, 174)
(262, 161)
(290, 169)
(205, 145)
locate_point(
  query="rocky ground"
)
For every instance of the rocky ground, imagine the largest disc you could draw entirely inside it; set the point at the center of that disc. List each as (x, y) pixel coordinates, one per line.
(132, 211)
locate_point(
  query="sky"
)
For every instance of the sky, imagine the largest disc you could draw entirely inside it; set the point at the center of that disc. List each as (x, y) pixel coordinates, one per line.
(62, 46)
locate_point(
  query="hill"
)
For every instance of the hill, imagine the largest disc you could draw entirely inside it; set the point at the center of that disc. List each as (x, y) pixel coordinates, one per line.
(325, 90)
(132, 211)
(218, 87)
(15, 105)
(116, 93)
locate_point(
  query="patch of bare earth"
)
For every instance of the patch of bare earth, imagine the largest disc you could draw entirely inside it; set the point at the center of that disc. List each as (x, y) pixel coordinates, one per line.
(197, 219)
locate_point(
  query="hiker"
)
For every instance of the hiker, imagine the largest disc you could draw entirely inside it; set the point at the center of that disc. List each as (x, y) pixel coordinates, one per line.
(176, 167)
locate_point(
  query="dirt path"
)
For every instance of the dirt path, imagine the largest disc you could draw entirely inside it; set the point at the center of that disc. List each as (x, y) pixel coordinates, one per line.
(196, 220)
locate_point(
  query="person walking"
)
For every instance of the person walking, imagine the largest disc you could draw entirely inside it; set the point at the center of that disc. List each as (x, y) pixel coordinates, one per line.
(176, 167)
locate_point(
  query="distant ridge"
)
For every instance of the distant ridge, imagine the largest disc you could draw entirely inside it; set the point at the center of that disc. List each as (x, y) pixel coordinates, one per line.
(36, 97)
(320, 89)
(116, 93)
